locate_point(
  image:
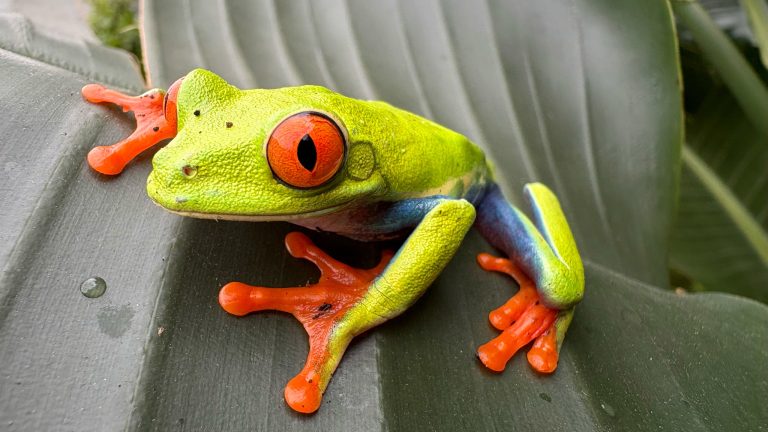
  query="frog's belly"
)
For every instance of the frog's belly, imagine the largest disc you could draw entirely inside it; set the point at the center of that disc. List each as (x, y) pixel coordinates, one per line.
(361, 223)
(381, 220)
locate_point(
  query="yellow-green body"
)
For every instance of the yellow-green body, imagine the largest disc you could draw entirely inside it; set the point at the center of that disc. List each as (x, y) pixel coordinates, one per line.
(402, 175)
(392, 154)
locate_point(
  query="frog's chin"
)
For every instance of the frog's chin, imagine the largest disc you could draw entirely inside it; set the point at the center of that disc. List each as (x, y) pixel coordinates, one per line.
(257, 217)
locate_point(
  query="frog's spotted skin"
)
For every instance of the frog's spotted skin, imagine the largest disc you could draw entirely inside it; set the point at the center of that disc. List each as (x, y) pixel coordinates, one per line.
(372, 172)
(233, 178)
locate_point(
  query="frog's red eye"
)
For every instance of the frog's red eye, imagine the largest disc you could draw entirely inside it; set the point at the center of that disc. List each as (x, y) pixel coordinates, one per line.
(306, 150)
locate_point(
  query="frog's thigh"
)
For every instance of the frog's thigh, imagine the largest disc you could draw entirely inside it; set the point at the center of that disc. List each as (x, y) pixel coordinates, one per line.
(545, 251)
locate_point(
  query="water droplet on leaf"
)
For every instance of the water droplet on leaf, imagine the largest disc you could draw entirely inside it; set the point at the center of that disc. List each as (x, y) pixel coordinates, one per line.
(93, 287)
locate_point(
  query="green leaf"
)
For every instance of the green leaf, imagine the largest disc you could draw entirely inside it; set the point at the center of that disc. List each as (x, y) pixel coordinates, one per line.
(580, 94)
(571, 109)
(68, 362)
(737, 74)
(757, 11)
(722, 235)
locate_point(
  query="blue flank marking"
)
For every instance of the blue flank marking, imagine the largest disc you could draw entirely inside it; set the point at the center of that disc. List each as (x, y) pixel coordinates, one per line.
(502, 226)
(403, 214)
(388, 220)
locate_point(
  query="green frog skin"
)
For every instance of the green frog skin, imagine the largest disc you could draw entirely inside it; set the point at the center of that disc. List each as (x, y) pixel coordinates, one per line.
(362, 169)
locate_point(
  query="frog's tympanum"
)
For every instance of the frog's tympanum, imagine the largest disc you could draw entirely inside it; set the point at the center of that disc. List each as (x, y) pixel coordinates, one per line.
(365, 170)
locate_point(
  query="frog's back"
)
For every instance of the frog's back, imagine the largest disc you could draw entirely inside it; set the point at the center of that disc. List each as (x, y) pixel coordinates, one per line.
(418, 157)
(415, 156)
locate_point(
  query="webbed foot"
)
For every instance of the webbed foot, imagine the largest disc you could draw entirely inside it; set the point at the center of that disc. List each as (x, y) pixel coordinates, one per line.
(319, 308)
(155, 113)
(522, 319)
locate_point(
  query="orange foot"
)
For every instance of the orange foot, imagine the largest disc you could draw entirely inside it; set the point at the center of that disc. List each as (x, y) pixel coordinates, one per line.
(522, 319)
(155, 121)
(319, 308)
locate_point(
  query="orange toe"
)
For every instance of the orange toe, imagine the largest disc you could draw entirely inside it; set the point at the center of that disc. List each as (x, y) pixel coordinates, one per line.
(235, 298)
(535, 321)
(303, 394)
(504, 316)
(522, 319)
(543, 355)
(104, 160)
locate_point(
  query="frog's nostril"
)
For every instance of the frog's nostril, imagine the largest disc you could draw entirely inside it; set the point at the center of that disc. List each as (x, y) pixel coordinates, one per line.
(189, 171)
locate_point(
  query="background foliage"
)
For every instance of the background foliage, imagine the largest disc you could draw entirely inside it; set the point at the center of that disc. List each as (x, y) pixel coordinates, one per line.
(115, 23)
(721, 238)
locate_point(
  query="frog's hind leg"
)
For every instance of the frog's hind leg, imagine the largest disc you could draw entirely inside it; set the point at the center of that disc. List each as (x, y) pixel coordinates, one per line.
(544, 261)
(318, 307)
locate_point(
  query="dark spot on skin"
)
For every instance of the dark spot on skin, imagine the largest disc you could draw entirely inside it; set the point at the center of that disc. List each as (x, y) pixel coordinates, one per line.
(309, 381)
(323, 308)
(151, 96)
(155, 128)
(196, 113)
(229, 125)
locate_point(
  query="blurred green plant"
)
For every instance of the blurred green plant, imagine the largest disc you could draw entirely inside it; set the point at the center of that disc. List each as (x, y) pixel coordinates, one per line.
(115, 24)
(757, 11)
(720, 241)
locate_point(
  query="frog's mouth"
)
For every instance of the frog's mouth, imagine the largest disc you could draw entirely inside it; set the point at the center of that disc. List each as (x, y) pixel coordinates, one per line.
(181, 205)
(259, 217)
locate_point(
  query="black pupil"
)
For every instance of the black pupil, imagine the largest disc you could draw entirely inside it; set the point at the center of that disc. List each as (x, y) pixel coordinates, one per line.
(307, 153)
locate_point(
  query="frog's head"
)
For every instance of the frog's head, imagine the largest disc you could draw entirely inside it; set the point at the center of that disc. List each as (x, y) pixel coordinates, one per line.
(261, 154)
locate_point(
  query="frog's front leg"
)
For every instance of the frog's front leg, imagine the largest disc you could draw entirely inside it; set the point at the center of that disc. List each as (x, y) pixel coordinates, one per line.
(546, 264)
(347, 301)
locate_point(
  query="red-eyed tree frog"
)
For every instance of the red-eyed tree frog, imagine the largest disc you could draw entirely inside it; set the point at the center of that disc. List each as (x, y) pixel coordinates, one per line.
(362, 169)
